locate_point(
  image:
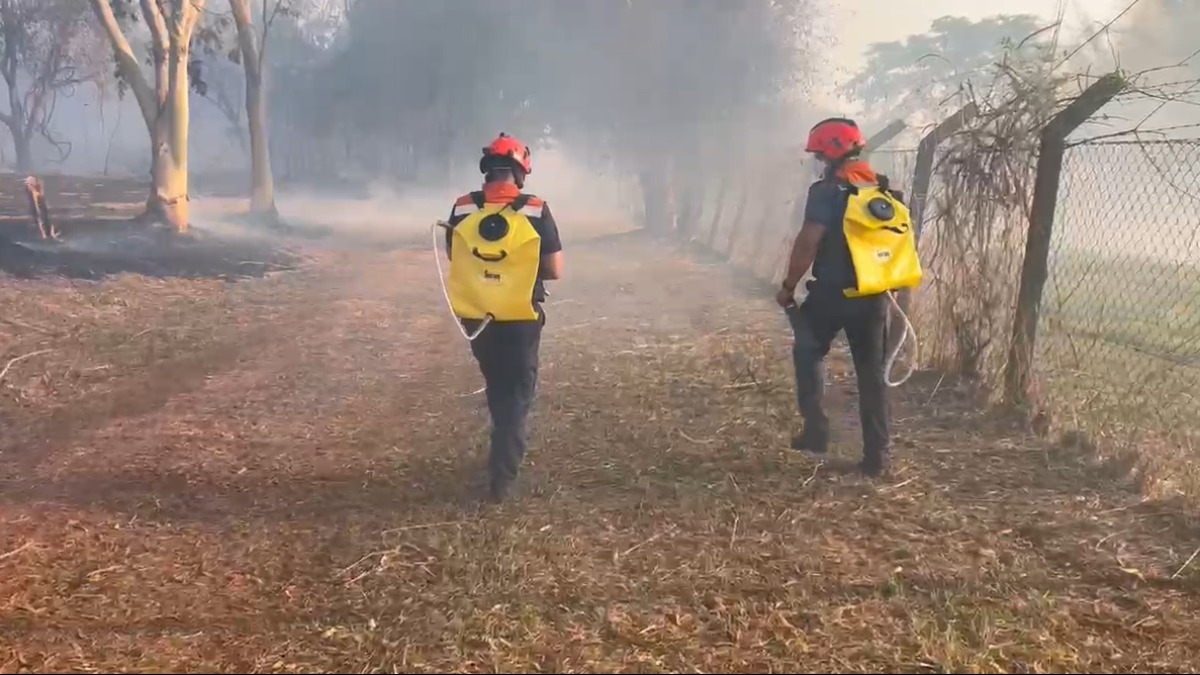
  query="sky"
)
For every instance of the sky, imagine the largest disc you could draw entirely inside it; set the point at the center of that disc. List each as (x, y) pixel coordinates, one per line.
(869, 21)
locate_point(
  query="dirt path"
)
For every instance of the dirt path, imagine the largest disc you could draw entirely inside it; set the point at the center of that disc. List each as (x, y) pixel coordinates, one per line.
(279, 475)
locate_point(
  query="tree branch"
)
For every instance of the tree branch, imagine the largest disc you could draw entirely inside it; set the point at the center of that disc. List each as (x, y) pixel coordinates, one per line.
(12, 37)
(157, 24)
(268, 21)
(192, 11)
(160, 44)
(126, 62)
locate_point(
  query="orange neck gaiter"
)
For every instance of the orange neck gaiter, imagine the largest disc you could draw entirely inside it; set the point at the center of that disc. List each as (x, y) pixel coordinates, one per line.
(856, 171)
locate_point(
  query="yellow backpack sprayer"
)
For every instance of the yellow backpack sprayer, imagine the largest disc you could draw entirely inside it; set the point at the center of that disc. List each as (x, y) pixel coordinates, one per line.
(494, 256)
(883, 249)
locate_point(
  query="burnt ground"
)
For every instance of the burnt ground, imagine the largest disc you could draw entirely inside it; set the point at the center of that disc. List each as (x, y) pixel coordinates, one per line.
(279, 474)
(99, 240)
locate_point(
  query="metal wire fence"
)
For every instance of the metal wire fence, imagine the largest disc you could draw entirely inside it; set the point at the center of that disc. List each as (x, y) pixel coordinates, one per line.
(899, 165)
(1119, 345)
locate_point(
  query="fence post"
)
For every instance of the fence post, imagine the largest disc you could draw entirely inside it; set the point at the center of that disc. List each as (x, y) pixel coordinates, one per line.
(926, 154)
(1018, 371)
(919, 194)
(884, 136)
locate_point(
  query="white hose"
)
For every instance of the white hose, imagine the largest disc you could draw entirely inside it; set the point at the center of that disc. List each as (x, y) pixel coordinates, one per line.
(437, 259)
(891, 359)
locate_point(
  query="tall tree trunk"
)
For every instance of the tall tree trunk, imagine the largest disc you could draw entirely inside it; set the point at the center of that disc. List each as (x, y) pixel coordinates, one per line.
(168, 201)
(262, 187)
(23, 146)
(262, 192)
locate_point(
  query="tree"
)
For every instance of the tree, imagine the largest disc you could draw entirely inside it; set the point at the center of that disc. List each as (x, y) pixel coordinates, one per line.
(47, 47)
(920, 72)
(252, 53)
(165, 105)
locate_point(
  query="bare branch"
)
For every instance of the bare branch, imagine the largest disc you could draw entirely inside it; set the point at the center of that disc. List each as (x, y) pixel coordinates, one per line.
(153, 13)
(127, 62)
(268, 21)
(193, 10)
(13, 361)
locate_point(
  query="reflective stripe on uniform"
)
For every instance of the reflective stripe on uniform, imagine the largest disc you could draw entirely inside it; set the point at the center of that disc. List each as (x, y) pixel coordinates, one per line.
(464, 209)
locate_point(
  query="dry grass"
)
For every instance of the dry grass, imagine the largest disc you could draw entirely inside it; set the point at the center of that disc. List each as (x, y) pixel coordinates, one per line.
(279, 475)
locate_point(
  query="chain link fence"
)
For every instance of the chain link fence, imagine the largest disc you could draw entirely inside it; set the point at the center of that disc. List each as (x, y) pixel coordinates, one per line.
(899, 165)
(1119, 337)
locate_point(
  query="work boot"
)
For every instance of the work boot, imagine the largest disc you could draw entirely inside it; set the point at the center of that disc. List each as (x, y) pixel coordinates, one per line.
(499, 489)
(875, 465)
(813, 441)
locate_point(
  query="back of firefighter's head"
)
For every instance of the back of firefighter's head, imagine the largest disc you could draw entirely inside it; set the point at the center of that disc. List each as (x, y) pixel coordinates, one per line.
(835, 141)
(506, 160)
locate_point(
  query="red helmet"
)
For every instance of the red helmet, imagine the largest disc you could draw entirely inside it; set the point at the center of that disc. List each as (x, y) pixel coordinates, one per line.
(835, 138)
(508, 147)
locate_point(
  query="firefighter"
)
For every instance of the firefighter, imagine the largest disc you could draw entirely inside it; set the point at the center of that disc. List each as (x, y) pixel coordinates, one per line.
(503, 245)
(827, 308)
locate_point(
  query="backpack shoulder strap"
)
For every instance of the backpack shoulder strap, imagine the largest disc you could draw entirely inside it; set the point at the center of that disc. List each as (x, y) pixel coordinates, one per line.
(519, 203)
(477, 199)
(848, 187)
(885, 186)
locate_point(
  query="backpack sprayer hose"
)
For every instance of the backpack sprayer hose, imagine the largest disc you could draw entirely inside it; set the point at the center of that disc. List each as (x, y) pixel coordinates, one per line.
(437, 259)
(891, 358)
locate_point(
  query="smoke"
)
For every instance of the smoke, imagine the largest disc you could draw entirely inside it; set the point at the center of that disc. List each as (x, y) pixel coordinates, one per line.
(1155, 42)
(581, 197)
(585, 199)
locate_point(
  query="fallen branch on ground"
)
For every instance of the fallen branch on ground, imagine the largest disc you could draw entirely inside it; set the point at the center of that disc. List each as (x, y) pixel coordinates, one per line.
(28, 326)
(18, 359)
(16, 551)
(1186, 564)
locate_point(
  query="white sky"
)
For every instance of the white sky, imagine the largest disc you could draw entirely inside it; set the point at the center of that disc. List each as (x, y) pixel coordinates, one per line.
(858, 23)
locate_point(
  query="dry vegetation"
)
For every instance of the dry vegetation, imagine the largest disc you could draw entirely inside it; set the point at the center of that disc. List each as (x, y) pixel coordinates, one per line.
(278, 475)
(1115, 366)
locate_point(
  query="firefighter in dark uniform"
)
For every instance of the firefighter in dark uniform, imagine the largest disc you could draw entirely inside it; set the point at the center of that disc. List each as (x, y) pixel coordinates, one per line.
(507, 351)
(825, 310)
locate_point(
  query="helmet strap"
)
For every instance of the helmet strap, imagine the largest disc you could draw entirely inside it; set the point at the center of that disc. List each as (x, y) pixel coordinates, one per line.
(832, 166)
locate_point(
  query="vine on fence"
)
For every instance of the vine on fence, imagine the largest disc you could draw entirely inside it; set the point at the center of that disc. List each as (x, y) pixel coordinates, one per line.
(978, 214)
